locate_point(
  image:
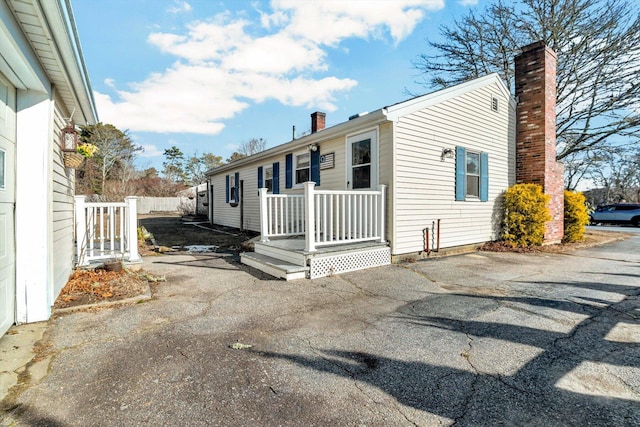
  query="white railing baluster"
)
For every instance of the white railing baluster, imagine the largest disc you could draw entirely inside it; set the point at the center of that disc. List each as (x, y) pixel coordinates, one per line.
(106, 230)
(112, 229)
(338, 217)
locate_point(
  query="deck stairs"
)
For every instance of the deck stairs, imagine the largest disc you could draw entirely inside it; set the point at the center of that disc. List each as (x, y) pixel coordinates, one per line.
(286, 258)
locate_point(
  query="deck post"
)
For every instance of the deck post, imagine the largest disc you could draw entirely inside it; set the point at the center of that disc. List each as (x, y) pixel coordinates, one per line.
(131, 225)
(264, 216)
(381, 209)
(81, 228)
(309, 217)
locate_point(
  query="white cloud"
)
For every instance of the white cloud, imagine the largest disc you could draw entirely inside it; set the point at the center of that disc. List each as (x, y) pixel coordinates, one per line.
(468, 2)
(179, 6)
(329, 22)
(228, 63)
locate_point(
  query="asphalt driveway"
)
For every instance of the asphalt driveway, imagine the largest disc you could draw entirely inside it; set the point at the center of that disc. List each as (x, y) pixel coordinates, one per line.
(480, 339)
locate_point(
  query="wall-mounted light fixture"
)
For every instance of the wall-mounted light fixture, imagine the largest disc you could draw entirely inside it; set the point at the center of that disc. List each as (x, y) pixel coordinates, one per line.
(447, 153)
(69, 138)
(313, 147)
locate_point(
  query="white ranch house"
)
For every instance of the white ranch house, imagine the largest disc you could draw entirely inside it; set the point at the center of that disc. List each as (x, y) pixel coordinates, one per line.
(407, 179)
(43, 83)
(384, 180)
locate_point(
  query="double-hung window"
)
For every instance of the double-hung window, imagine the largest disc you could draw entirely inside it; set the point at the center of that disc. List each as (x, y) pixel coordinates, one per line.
(232, 188)
(268, 178)
(472, 175)
(302, 167)
(302, 164)
(232, 184)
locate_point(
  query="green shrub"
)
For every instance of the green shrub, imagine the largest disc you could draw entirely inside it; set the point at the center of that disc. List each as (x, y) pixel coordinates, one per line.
(525, 215)
(576, 216)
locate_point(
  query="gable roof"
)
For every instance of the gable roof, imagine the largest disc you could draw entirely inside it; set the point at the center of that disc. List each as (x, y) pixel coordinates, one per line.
(389, 113)
(420, 102)
(48, 28)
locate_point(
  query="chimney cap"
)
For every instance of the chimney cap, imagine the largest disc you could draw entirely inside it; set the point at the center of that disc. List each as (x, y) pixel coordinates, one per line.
(540, 44)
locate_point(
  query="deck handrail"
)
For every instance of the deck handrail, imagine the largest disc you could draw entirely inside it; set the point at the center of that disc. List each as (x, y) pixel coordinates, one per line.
(106, 230)
(324, 217)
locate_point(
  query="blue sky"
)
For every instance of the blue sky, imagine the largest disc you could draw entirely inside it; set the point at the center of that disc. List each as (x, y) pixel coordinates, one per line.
(208, 75)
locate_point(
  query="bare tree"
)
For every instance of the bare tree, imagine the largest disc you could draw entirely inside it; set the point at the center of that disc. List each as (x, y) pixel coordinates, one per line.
(598, 47)
(252, 146)
(116, 152)
(617, 172)
(197, 166)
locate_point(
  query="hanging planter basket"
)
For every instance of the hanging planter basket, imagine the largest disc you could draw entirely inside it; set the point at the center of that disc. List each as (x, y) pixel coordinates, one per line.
(73, 160)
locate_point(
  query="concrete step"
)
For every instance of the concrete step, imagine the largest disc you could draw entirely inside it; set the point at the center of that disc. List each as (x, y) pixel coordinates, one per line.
(274, 267)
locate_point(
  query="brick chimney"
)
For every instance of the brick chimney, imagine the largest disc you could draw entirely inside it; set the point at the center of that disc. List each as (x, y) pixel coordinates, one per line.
(535, 81)
(317, 121)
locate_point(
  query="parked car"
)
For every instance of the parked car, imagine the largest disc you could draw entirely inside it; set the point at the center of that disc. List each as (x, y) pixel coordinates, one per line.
(620, 213)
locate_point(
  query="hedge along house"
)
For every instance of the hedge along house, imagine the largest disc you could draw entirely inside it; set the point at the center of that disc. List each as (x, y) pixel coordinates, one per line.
(43, 85)
(409, 178)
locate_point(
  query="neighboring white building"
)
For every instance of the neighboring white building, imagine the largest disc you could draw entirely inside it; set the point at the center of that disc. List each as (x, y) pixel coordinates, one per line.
(43, 83)
(444, 159)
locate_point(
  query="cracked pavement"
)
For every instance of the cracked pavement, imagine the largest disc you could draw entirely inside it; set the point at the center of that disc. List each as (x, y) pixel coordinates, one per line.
(481, 339)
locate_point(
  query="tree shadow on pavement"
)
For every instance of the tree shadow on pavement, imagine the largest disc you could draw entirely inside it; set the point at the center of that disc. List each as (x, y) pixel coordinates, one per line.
(541, 391)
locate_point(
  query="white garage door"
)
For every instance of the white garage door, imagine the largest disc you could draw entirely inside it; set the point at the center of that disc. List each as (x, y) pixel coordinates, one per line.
(7, 204)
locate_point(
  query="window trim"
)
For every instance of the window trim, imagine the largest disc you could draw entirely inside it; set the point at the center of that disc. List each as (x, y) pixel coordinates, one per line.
(294, 168)
(461, 193)
(468, 174)
(265, 168)
(232, 188)
(374, 135)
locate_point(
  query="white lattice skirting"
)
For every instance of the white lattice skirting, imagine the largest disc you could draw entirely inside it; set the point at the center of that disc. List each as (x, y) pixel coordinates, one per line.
(343, 263)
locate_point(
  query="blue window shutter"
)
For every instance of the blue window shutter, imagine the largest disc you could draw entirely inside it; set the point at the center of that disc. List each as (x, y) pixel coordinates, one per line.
(484, 177)
(260, 181)
(289, 171)
(461, 173)
(315, 167)
(276, 178)
(226, 193)
(237, 187)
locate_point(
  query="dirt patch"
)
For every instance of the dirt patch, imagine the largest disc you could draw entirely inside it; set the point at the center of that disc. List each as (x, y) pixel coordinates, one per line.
(94, 286)
(591, 238)
(192, 234)
(170, 234)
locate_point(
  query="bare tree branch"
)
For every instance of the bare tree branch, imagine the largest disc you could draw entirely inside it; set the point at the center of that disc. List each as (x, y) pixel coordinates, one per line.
(598, 47)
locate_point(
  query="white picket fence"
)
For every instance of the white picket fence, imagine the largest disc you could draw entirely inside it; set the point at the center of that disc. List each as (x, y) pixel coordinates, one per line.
(337, 217)
(106, 231)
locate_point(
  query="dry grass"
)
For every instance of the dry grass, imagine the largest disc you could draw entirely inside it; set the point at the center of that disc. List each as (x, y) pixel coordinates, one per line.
(93, 286)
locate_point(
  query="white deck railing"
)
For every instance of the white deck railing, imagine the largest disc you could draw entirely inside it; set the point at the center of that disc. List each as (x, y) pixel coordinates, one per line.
(106, 231)
(337, 217)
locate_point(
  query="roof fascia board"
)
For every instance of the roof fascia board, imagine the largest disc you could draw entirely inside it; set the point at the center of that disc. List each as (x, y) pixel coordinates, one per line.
(18, 61)
(394, 112)
(343, 128)
(59, 16)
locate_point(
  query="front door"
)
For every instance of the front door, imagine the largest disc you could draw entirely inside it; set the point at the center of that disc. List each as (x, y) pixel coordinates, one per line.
(7, 205)
(362, 161)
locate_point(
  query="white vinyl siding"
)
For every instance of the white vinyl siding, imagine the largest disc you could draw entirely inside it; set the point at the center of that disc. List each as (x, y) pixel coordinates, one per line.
(334, 178)
(224, 214)
(228, 215)
(425, 189)
(62, 210)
